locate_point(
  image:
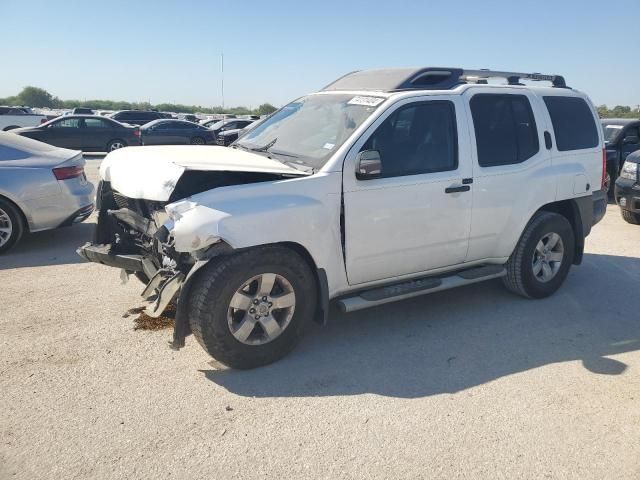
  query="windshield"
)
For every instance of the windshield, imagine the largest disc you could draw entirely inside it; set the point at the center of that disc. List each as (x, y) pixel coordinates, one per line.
(310, 129)
(611, 132)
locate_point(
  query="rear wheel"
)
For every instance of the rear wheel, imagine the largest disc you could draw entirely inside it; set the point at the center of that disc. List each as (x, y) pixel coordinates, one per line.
(11, 225)
(542, 258)
(630, 217)
(197, 141)
(116, 145)
(250, 309)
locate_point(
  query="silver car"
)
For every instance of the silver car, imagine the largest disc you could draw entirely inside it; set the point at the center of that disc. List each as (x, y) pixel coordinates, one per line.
(41, 187)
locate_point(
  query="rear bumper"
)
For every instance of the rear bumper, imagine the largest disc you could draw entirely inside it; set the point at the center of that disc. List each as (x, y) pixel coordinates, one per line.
(627, 194)
(78, 216)
(599, 206)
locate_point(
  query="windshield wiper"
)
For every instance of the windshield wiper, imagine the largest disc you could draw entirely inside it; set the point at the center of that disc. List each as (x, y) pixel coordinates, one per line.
(265, 148)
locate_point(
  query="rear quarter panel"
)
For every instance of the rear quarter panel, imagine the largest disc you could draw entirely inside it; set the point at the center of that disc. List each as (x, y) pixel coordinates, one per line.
(578, 172)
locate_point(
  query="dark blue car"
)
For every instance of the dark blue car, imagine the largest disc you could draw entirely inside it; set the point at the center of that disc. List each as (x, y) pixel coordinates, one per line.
(175, 132)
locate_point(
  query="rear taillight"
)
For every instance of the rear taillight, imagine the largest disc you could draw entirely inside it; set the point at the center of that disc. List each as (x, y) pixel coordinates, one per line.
(136, 133)
(604, 168)
(65, 173)
(43, 120)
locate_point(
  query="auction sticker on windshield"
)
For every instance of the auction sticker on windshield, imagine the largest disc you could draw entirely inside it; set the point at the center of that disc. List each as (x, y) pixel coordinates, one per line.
(366, 101)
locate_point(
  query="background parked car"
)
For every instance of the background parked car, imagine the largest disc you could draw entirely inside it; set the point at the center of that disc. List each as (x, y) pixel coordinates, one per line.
(82, 111)
(175, 132)
(622, 137)
(41, 187)
(227, 137)
(136, 117)
(627, 189)
(188, 117)
(89, 133)
(15, 117)
(229, 124)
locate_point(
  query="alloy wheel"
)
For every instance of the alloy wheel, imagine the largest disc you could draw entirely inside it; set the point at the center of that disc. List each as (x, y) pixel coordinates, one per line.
(547, 257)
(261, 309)
(6, 227)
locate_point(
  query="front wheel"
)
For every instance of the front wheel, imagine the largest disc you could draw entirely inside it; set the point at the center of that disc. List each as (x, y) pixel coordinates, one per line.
(250, 309)
(542, 258)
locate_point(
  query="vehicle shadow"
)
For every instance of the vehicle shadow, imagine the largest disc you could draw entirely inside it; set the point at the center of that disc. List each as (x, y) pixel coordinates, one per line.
(51, 247)
(454, 340)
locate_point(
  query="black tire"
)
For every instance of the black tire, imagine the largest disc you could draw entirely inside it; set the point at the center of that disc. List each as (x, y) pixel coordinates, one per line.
(520, 278)
(197, 141)
(113, 144)
(630, 217)
(215, 285)
(15, 224)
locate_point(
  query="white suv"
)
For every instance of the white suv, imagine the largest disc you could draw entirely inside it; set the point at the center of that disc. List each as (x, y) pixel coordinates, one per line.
(387, 184)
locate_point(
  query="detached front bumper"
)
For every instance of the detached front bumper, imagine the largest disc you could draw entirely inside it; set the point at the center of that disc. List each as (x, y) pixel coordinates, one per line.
(163, 286)
(131, 263)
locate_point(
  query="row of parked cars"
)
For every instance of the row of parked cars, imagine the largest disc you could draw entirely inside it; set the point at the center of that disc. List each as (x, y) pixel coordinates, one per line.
(95, 133)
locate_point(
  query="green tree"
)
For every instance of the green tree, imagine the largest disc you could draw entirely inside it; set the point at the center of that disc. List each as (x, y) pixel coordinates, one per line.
(265, 109)
(35, 97)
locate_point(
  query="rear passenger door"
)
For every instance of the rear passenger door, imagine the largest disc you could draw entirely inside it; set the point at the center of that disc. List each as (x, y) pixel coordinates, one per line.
(509, 166)
(415, 217)
(96, 134)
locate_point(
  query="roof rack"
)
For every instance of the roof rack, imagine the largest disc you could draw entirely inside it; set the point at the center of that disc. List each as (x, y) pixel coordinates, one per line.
(513, 78)
(431, 78)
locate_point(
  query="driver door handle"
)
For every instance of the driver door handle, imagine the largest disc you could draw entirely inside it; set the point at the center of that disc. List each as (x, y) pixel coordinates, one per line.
(461, 188)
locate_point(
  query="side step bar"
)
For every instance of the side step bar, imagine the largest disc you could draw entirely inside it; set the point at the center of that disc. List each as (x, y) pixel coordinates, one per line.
(420, 286)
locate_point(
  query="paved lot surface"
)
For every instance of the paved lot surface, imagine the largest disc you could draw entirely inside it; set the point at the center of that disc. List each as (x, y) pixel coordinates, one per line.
(471, 383)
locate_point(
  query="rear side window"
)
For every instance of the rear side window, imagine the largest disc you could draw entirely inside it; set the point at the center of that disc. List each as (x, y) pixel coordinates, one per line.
(573, 123)
(95, 123)
(505, 129)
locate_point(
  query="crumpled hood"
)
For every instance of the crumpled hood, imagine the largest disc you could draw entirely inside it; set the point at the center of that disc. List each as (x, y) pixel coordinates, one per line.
(151, 173)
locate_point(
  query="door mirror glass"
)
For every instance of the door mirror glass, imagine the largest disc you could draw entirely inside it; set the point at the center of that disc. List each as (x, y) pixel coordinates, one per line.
(368, 165)
(631, 139)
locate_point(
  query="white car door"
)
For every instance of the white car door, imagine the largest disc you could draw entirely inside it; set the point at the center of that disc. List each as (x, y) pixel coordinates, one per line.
(416, 216)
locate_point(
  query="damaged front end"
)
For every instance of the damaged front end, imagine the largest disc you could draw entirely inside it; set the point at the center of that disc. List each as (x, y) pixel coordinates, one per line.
(139, 237)
(131, 235)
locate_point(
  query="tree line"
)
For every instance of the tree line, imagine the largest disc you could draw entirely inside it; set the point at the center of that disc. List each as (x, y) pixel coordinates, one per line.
(40, 98)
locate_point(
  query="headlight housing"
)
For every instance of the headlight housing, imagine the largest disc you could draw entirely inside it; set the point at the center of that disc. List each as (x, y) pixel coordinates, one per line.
(177, 209)
(629, 171)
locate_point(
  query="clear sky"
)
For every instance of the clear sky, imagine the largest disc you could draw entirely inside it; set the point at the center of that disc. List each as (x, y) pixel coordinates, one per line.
(169, 51)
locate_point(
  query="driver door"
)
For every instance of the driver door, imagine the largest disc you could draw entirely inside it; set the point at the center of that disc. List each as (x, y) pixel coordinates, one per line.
(66, 133)
(415, 215)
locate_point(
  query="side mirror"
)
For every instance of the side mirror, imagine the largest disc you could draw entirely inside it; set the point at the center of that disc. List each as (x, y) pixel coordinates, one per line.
(368, 165)
(631, 139)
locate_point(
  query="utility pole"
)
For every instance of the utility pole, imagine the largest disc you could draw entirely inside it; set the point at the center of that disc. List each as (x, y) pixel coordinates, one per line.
(222, 68)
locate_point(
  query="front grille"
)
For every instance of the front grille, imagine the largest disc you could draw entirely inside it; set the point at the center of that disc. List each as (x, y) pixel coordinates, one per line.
(121, 200)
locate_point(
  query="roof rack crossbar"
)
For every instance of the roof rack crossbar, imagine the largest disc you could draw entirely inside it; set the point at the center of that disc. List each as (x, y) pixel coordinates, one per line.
(513, 78)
